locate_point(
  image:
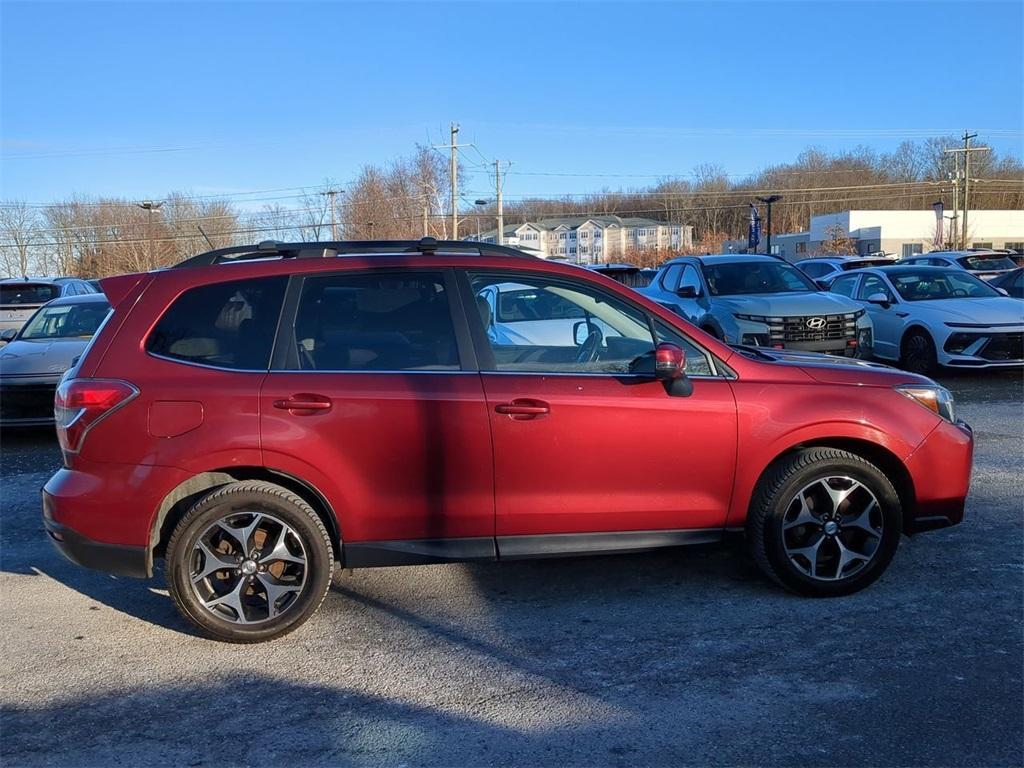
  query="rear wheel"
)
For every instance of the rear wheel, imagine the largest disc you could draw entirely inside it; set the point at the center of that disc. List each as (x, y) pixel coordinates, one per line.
(249, 562)
(917, 352)
(824, 522)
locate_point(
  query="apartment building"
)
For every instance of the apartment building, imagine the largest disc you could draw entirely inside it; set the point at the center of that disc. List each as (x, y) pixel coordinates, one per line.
(594, 239)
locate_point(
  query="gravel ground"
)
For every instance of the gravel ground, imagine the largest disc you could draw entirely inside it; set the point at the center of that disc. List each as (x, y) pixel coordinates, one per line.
(674, 658)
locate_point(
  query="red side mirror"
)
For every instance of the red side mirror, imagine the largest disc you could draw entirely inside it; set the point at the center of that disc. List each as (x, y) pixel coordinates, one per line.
(669, 361)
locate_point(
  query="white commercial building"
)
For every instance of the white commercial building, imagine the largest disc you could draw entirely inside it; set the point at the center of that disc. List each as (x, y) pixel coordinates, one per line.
(902, 233)
(594, 239)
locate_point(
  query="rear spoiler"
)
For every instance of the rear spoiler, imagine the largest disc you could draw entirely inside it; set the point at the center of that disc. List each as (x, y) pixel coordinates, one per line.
(117, 288)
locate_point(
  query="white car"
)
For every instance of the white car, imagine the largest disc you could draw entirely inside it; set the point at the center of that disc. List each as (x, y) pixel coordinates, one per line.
(20, 297)
(822, 269)
(925, 317)
(984, 264)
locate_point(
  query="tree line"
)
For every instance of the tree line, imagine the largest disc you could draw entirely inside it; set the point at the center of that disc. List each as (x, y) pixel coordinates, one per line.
(410, 196)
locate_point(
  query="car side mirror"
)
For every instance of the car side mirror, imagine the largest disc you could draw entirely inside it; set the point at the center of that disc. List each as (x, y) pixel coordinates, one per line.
(670, 367)
(8, 334)
(580, 332)
(880, 299)
(687, 292)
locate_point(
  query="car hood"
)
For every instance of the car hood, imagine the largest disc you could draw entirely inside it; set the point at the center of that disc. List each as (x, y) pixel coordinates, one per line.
(992, 310)
(39, 358)
(843, 370)
(787, 304)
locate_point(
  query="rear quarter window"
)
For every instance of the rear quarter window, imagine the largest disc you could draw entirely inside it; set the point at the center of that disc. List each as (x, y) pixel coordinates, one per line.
(224, 325)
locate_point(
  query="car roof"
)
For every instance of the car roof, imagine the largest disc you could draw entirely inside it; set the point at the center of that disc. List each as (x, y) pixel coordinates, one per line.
(725, 258)
(30, 280)
(85, 298)
(896, 269)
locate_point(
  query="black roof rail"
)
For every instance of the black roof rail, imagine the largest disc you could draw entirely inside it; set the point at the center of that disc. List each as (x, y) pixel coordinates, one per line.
(269, 249)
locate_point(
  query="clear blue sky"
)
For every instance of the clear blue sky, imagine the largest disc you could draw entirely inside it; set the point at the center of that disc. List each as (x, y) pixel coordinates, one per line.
(143, 98)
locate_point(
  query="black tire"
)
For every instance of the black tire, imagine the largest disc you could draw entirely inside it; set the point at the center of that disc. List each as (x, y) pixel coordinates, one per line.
(917, 352)
(285, 515)
(771, 506)
(711, 330)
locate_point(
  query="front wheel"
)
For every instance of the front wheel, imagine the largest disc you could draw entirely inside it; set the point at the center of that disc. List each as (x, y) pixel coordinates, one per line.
(249, 562)
(917, 353)
(824, 522)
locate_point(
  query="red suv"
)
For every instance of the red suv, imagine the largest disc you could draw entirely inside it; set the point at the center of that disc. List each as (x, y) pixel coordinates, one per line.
(259, 416)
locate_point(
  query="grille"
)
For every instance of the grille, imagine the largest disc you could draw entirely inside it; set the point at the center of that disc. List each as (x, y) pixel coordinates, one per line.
(30, 401)
(1004, 346)
(796, 329)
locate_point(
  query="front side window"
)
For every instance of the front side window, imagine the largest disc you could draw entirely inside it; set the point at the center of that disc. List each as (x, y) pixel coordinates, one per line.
(388, 321)
(872, 285)
(546, 325)
(66, 321)
(844, 285)
(690, 279)
(670, 277)
(224, 325)
(751, 277)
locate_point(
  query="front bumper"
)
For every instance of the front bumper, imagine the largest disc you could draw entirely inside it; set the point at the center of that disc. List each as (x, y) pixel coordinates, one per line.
(940, 469)
(27, 401)
(979, 348)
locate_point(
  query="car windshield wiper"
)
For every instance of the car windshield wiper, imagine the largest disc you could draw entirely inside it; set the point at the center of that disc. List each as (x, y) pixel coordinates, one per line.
(753, 351)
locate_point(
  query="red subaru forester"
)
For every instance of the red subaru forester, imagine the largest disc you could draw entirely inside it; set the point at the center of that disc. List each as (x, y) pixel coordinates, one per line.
(260, 415)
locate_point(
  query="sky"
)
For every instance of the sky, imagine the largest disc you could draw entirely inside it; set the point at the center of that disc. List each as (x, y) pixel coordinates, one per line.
(138, 99)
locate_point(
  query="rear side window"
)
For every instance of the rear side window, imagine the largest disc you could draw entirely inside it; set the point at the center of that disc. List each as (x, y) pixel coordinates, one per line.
(225, 325)
(376, 322)
(844, 285)
(15, 294)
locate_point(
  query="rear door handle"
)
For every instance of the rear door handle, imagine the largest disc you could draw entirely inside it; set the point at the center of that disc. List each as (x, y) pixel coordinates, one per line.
(524, 408)
(304, 401)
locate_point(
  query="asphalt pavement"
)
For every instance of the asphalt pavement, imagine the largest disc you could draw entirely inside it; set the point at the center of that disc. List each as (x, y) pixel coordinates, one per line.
(684, 657)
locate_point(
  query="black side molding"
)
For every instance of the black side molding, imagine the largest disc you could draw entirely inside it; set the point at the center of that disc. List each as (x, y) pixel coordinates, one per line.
(377, 554)
(561, 544)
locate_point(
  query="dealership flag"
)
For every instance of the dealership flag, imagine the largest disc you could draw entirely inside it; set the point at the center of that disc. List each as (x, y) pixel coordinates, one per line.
(939, 221)
(754, 233)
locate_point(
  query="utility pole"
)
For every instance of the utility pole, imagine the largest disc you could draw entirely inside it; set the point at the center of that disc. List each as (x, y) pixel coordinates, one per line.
(967, 150)
(149, 205)
(331, 193)
(454, 146)
(426, 223)
(500, 238)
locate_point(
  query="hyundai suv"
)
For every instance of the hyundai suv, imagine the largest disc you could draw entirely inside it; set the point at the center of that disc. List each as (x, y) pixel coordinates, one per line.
(259, 416)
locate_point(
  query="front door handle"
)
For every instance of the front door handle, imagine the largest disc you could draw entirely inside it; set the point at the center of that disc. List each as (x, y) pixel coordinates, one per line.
(304, 402)
(523, 408)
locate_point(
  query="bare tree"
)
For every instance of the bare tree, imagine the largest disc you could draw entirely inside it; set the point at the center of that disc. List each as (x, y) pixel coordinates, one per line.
(19, 231)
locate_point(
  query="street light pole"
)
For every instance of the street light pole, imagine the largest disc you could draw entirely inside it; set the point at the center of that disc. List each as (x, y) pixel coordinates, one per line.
(332, 193)
(768, 202)
(479, 212)
(149, 205)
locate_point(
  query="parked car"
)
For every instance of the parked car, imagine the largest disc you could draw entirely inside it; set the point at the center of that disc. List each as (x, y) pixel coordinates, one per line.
(1011, 282)
(822, 269)
(32, 364)
(983, 264)
(925, 317)
(259, 424)
(21, 296)
(627, 274)
(761, 301)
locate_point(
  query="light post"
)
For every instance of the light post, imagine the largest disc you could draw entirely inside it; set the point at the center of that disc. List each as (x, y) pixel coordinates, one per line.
(768, 201)
(479, 212)
(149, 205)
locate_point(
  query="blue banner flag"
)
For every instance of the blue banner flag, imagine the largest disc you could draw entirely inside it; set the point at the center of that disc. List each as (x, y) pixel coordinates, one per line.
(754, 233)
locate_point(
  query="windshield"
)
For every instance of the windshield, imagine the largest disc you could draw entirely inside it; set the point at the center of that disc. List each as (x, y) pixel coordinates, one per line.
(743, 277)
(940, 284)
(19, 294)
(986, 262)
(66, 321)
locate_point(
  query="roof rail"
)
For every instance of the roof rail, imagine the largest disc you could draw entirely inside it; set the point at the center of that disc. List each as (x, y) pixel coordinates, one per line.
(269, 249)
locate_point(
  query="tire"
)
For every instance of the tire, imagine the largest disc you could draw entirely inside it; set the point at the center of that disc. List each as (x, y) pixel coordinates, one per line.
(710, 329)
(795, 542)
(917, 352)
(288, 579)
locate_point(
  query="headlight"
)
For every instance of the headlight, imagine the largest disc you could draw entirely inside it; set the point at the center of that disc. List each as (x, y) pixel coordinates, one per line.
(750, 318)
(936, 399)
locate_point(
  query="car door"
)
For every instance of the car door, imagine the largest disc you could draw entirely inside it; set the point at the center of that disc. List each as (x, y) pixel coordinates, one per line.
(887, 318)
(587, 441)
(374, 392)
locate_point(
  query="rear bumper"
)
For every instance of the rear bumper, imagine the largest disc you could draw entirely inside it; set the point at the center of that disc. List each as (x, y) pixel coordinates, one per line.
(112, 558)
(941, 471)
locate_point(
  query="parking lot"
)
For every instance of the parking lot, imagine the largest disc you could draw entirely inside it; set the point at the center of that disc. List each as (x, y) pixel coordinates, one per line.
(681, 657)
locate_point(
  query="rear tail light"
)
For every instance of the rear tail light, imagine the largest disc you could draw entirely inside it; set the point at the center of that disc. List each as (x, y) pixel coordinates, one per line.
(80, 404)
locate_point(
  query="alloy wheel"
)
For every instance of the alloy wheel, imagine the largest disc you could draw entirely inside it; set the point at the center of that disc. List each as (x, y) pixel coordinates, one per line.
(832, 528)
(248, 567)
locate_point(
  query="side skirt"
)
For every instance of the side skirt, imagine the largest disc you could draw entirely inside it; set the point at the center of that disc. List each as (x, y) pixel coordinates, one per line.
(376, 554)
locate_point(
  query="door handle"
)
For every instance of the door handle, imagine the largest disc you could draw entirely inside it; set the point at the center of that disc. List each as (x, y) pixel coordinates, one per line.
(304, 402)
(524, 408)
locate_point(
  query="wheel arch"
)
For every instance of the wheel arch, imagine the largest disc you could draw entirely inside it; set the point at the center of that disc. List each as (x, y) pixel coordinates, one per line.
(910, 328)
(181, 499)
(887, 461)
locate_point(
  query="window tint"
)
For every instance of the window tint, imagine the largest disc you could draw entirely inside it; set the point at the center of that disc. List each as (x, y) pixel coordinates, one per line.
(66, 321)
(28, 293)
(375, 322)
(844, 285)
(670, 279)
(815, 270)
(871, 286)
(227, 325)
(572, 327)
